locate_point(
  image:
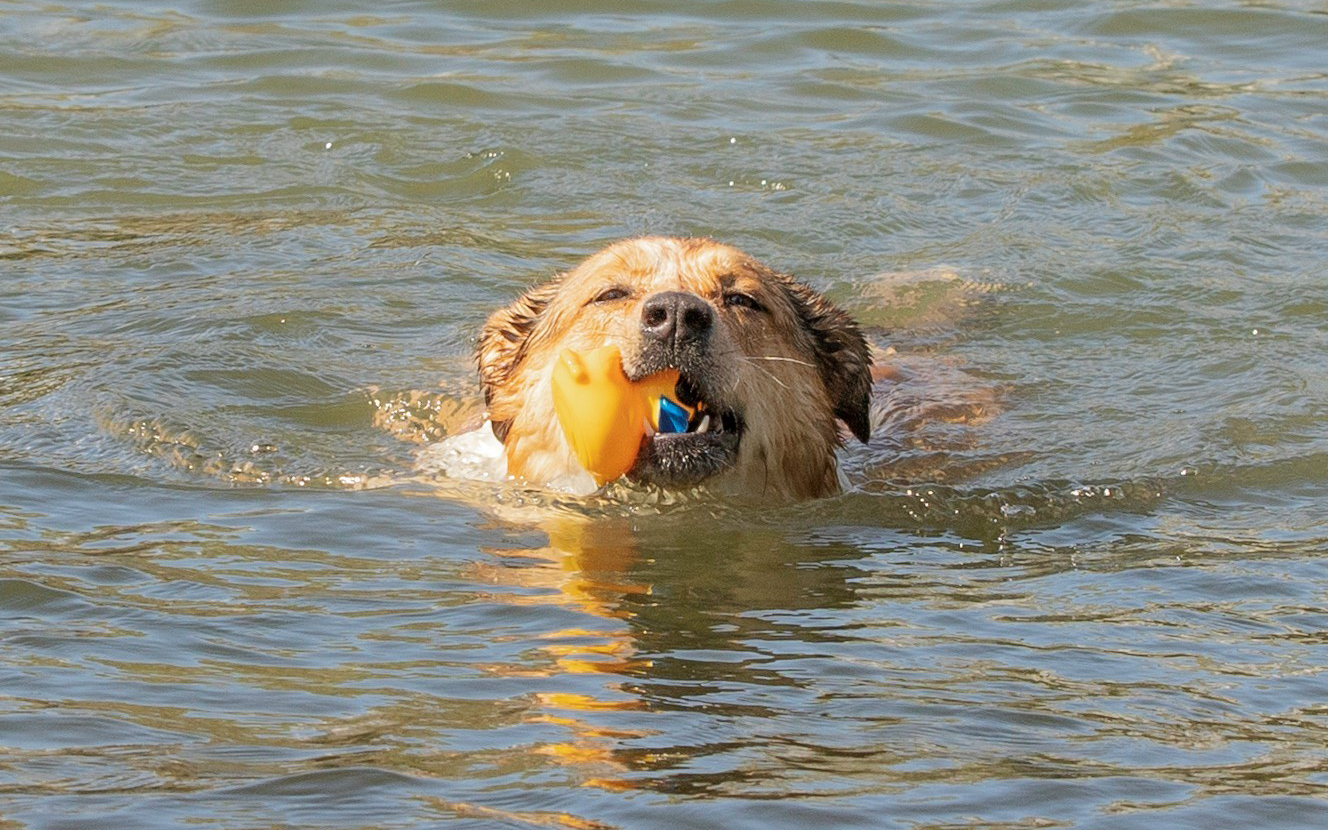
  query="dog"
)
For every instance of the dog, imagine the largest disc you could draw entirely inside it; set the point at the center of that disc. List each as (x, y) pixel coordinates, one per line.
(775, 366)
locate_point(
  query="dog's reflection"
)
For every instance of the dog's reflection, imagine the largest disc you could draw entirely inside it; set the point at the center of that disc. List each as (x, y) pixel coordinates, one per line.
(673, 614)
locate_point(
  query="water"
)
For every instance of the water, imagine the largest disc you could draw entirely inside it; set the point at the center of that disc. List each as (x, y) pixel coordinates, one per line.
(1079, 578)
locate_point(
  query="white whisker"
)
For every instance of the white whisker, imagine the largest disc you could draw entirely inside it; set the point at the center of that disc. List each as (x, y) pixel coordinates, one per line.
(767, 372)
(785, 359)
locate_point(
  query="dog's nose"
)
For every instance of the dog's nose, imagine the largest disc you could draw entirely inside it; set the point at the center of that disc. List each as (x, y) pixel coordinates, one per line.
(676, 316)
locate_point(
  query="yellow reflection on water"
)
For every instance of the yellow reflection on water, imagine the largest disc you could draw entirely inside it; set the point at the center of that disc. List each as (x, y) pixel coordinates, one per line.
(586, 567)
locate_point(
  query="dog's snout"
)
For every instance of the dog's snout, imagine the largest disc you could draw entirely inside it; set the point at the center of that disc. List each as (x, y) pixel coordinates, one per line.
(676, 316)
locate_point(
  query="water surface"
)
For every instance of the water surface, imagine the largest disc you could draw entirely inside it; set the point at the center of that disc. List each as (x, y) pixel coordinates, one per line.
(1078, 580)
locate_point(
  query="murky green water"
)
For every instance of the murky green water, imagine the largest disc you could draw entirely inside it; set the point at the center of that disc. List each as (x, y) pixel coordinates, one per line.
(1079, 582)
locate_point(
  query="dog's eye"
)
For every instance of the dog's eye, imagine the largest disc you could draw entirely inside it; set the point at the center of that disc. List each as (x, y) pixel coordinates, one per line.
(608, 295)
(733, 298)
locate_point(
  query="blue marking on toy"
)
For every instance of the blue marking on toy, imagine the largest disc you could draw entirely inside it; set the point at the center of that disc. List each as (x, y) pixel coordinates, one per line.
(672, 417)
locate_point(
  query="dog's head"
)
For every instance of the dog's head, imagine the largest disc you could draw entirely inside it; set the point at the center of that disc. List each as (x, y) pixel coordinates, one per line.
(774, 362)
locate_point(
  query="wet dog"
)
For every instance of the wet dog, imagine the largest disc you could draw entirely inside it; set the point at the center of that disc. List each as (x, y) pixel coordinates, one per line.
(775, 367)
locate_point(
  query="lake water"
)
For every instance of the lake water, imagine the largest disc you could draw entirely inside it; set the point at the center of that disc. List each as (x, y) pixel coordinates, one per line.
(1079, 579)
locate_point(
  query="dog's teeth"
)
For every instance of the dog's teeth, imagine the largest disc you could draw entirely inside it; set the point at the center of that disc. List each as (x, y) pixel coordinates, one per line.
(650, 429)
(704, 426)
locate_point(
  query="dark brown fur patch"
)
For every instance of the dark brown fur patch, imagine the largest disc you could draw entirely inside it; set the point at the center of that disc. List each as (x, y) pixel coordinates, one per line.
(502, 344)
(842, 355)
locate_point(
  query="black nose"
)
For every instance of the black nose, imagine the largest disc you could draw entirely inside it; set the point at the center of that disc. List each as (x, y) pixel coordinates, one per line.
(676, 316)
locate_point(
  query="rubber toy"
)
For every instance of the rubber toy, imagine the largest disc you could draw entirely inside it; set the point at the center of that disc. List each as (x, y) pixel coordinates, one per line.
(604, 415)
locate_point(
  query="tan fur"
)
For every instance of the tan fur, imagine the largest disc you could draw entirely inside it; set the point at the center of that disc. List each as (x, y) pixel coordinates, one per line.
(791, 368)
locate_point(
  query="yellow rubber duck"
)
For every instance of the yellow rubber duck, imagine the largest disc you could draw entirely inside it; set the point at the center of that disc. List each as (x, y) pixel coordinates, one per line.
(604, 415)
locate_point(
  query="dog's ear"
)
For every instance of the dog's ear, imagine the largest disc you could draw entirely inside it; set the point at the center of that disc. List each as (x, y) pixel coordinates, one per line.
(842, 355)
(502, 344)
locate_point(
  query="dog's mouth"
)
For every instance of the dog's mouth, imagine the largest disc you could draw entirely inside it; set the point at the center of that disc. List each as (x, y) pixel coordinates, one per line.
(683, 459)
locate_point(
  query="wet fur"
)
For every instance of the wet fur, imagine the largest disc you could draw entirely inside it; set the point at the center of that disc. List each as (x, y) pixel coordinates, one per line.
(793, 368)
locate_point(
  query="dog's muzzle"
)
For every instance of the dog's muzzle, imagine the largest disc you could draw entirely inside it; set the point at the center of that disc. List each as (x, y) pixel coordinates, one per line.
(677, 330)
